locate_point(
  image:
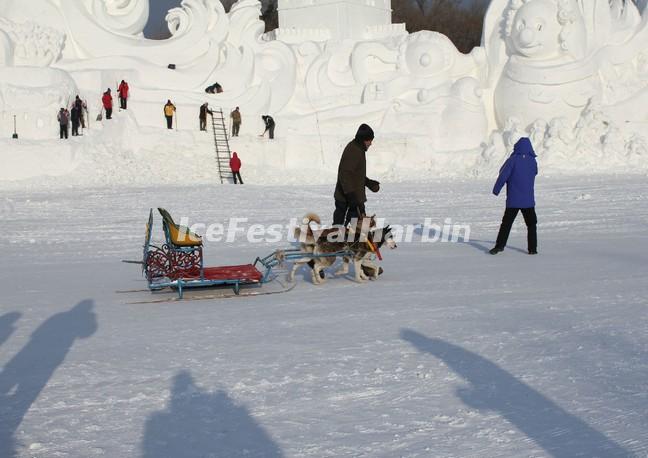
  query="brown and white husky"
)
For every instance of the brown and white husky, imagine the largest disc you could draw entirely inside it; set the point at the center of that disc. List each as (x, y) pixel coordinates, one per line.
(355, 243)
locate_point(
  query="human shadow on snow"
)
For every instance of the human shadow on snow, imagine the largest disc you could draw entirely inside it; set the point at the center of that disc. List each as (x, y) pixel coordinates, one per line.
(432, 233)
(7, 325)
(24, 377)
(197, 423)
(558, 432)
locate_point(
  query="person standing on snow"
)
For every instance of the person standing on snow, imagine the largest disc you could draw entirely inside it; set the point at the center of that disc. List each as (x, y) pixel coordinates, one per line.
(63, 119)
(350, 194)
(235, 165)
(236, 122)
(518, 173)
(78, 103)
(202, 116)
(169, 110)
(123, 94)
(269, 126)
(75, 116)
(107, 102)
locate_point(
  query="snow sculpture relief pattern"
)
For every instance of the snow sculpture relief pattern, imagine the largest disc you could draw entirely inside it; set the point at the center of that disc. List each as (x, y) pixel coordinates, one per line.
(572, 74)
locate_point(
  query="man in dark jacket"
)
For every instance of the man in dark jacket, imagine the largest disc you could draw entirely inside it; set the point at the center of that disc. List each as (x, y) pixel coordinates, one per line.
(269, 126)
(518, 173)
(81, 106)
(350, 194)
(202, 115)
(75, 117)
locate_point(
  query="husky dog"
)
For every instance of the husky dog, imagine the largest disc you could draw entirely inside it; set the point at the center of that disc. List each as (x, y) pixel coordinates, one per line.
(363, 254)
(322, 247)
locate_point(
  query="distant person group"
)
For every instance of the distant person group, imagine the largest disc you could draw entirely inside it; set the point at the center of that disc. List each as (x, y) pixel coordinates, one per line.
(75, 117)
(170, 111)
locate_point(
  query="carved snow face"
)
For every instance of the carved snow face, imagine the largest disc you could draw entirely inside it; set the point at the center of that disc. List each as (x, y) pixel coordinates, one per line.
(536, 30)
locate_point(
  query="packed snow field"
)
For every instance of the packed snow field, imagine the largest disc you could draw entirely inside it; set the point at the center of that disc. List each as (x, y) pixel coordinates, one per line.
(450, 353)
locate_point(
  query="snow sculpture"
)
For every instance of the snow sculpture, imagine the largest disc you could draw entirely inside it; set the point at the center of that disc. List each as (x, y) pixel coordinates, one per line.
(548, 58)
(33, 44)
(336, 20)
(577, 67)
(560, 71)
(99, 42)
(6, 50)
(543, 75)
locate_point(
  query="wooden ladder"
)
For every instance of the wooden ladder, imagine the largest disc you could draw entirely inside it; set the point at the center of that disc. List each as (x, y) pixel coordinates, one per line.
(221, 144)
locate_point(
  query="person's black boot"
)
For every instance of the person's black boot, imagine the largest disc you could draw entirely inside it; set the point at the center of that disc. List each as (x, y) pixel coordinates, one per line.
(533, 251)
(496, 250)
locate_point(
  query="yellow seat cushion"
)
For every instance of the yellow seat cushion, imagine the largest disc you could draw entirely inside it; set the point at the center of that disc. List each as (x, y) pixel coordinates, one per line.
(180, 235)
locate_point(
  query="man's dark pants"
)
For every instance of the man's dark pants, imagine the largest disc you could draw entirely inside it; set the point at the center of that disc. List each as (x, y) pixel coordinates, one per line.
(531, 221)
(343, 213)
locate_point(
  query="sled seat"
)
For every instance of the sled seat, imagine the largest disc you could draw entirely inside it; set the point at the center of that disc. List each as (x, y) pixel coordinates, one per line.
(246, 273)
(179, 236)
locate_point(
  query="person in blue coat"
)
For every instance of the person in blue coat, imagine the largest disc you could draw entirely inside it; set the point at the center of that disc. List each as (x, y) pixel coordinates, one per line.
(518, 173)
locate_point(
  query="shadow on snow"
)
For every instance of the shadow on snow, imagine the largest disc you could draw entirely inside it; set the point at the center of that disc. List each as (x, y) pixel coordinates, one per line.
(24, 377)
(558, 432)
(197, 423)
(7, 325)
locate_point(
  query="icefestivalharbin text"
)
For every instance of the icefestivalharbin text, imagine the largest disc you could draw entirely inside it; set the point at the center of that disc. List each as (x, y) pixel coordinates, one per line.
(236, 229)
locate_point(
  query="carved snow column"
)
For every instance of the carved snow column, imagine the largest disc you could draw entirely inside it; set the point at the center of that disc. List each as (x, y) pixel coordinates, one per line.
(6, 50)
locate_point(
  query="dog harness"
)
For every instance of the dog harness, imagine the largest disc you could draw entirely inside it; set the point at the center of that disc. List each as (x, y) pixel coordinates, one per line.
(374, 249)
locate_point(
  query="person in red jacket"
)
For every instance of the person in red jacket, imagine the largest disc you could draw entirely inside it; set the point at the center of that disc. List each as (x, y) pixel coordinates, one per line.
(235, 165)
(123, 94)
(107, 103)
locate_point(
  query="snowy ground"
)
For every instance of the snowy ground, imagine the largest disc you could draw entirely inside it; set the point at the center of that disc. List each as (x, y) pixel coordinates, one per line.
(452, 353)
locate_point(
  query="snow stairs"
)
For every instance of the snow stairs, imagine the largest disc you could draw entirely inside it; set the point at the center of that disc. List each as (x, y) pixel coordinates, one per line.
(221, 145)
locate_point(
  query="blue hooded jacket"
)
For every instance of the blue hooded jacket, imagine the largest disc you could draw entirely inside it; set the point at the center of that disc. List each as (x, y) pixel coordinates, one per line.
(518, 173)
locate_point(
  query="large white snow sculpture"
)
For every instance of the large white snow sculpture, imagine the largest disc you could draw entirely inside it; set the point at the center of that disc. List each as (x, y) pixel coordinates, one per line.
(548, 58)
(544, 69)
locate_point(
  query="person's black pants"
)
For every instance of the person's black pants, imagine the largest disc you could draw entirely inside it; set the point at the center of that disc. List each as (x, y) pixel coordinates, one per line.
(236, 126)
(63, 131)
(235, 175)
(169, 120)
(343, 213)
(271, 132)
(122, 102)
(108, 113)
(531, 221)
(75, 128)
(203, 123)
